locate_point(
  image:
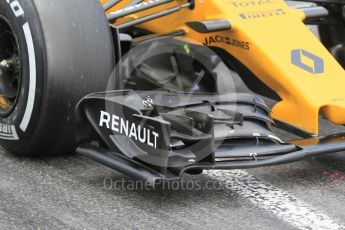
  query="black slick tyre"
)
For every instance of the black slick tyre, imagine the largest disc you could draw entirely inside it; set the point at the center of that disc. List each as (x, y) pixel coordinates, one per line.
(52, 53)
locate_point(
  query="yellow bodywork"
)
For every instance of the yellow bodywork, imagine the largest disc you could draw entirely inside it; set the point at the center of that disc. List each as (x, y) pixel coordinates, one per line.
(266, 32)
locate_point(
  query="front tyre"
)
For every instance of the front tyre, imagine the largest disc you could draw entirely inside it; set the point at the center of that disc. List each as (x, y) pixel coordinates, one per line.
(333, 35)
(52, 53)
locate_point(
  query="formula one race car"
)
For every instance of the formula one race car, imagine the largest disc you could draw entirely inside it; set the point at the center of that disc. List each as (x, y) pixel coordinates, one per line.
(156, 88)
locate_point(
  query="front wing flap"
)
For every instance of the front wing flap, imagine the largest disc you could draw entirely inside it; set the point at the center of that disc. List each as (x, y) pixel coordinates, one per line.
(169, 133)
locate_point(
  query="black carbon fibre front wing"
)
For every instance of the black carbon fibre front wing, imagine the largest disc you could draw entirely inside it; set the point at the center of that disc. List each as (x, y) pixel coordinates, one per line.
(160, 135)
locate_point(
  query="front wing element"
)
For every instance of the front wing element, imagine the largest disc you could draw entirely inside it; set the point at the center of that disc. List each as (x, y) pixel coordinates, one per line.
(160, 135)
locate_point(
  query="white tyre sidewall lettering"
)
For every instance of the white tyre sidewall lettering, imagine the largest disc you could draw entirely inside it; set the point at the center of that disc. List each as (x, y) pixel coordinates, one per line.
(16, 8)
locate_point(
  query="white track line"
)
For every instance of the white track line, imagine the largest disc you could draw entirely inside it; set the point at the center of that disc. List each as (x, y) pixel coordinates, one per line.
(285, 206)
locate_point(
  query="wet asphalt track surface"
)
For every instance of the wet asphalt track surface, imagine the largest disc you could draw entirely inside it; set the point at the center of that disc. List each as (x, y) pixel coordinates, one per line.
(74, 193)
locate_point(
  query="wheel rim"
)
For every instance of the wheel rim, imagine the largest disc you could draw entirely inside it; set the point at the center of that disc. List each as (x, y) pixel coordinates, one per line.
(10, 68)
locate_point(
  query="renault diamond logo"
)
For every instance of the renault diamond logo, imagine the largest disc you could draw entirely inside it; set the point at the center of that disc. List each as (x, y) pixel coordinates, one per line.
(307, 61)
